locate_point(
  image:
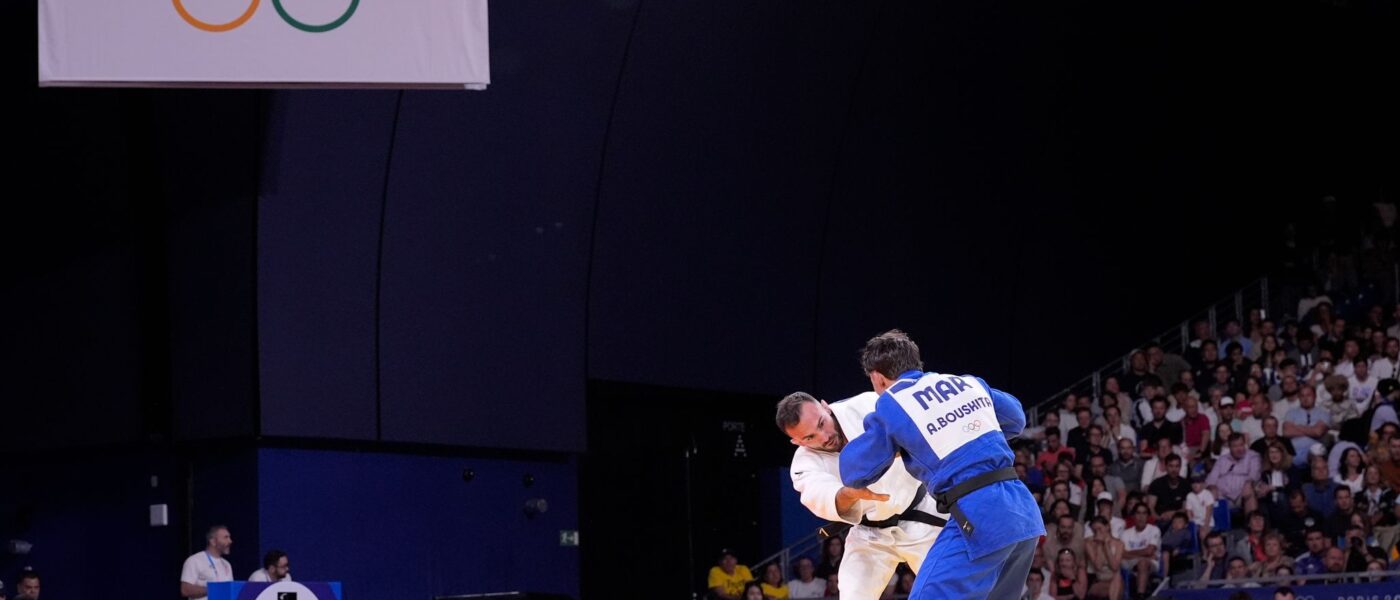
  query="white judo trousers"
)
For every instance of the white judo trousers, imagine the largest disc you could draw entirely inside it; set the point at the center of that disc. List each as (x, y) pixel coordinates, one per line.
(872, 553)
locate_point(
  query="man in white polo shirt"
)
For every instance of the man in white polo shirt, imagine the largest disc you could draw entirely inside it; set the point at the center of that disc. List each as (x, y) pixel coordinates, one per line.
(208, 565)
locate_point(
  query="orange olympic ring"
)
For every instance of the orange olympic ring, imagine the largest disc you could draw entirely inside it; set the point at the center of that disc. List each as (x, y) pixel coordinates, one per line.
(216, 27)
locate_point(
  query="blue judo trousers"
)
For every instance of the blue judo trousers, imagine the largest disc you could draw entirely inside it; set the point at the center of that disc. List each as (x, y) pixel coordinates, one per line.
(949, 430)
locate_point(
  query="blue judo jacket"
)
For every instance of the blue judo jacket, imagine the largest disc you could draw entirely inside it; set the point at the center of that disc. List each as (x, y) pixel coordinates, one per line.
(949, 429)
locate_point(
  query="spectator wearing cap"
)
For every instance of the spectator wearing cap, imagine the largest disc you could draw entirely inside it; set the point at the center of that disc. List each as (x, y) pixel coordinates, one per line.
(727, 577)
(1235, 470)
(1116, 524)
(1227, 414)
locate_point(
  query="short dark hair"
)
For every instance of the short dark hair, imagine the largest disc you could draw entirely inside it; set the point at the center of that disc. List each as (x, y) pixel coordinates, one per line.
(1171, 457)
(1180, 387)
(1284, 590)
(890, 354)
(1236, 437)
(28, 574)
(790, 409)
(213, 531)
(273, 557)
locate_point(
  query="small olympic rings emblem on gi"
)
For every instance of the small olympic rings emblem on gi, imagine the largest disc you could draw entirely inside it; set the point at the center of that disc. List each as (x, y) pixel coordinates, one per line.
(973, 426)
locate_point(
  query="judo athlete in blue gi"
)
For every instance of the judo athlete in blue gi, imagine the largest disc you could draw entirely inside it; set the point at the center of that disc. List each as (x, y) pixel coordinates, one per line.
(952, 433)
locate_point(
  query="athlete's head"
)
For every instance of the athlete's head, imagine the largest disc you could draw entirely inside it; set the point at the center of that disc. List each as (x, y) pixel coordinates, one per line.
(809, 423)
(887, 355)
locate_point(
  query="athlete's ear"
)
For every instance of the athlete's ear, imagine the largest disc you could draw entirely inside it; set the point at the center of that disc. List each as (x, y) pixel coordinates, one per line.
(879, 382)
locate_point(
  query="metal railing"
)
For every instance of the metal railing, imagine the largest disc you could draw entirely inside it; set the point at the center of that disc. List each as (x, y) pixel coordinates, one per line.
(794, 551)
(1177, 339)
(1292, 580)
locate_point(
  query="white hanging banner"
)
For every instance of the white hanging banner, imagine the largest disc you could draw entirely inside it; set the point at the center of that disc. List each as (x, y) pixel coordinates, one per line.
(264, 43)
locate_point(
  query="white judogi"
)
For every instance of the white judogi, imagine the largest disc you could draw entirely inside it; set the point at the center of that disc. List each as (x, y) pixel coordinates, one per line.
(871, 553)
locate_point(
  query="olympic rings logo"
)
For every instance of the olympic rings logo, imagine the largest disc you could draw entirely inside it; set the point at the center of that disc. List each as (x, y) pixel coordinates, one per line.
(253, 7)
(973, 426)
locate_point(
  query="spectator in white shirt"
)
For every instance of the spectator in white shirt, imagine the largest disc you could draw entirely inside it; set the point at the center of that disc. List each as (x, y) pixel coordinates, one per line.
(1385, 366)
(1361, 385)
(806, 585)
(276, 567)
(207, 566)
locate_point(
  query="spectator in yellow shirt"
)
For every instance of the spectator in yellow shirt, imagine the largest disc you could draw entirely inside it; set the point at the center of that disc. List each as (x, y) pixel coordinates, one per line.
(773, 586)
(727, 579)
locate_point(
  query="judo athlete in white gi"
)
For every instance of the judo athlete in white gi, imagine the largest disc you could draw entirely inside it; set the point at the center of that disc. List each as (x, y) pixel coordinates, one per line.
(893, 521)
(952, 434)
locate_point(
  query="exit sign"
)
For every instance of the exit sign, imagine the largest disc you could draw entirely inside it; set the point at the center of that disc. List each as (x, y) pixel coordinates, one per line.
(568, 537)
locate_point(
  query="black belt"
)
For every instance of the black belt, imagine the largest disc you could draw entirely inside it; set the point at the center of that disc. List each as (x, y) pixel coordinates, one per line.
(948, 501)
(909, 514)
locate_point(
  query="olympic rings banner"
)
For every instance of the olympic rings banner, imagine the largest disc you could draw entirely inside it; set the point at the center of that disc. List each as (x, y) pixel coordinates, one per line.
(264, 43)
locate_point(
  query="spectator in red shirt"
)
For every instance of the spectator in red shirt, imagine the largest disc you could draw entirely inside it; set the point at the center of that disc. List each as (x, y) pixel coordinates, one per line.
(1195, 426)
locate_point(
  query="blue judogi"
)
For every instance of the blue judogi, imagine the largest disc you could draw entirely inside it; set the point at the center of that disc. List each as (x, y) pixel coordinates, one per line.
(951, 429)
